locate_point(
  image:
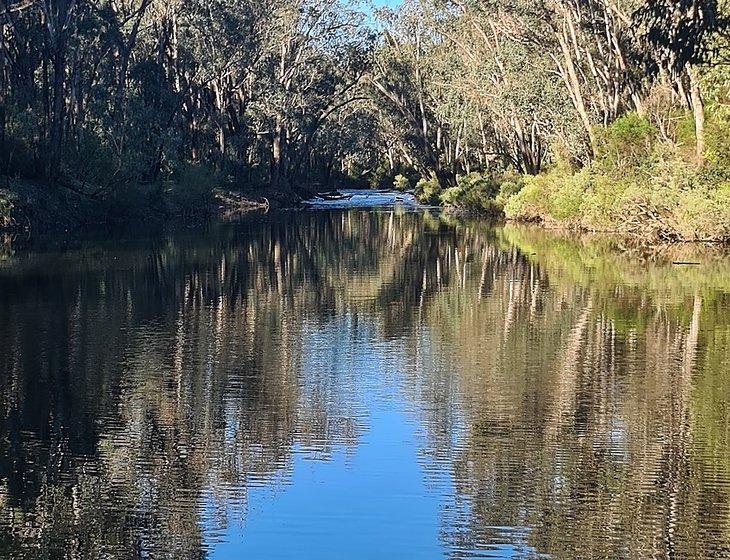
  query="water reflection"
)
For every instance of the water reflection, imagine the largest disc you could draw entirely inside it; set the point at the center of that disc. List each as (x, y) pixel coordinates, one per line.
(363, 384)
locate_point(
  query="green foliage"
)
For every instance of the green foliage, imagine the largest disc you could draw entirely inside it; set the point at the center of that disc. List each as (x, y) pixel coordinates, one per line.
(685, 135)
(509, 188)
(6, 209)
(527, 204)
(136, 98)
(675, 201)
(717, 138)
(554, 194)
(474, 193)
(602, 202)
(704, 213)
(191, 186)
(401, 183)
(90, 160)
(628, 141)
(18, 156)
(428, 190)
(639, 185)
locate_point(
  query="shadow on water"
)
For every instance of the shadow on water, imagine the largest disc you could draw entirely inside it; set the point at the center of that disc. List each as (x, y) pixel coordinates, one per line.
(363, 384)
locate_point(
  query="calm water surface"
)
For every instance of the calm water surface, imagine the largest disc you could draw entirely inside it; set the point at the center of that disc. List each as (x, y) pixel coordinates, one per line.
(364, 384)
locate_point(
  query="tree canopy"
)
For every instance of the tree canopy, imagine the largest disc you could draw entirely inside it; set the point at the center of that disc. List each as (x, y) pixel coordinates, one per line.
(100, 94)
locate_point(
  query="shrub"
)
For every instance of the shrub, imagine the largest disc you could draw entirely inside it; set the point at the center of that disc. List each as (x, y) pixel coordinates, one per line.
(555, 195)
(381, 176)
(565, 195)
(428, 190)
(451, 196)
(93, 162)
(6, 211)
(508, 189)
(473, 192)
(628, 141)
(717, 138)
(527, 205)
(482, 184)
(601, 206)
(191, 187)
(401, 183)
(686, 136)
(704, 214)
(638, 185)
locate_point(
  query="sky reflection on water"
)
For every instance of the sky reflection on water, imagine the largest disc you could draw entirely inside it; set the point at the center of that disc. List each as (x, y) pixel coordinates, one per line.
(359, 384)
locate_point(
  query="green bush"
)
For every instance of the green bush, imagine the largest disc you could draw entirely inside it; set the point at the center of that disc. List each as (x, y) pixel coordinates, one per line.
(91, 161)
(508, 189)
(6, 210)
(476, 182)
(686, 136)
(554, 195)
(704, 214)
(717, 138)
(675, 201)
(528, 204)
(22, 153)
(602, 203)
(401, 183)
(451, 196)
(428, 190)
(380, 177)
(473, 192)
(628, 141)
(191, 187)
(566, 196)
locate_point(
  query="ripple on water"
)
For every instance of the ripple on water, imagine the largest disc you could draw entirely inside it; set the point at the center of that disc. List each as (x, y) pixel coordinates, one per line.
(363, 384)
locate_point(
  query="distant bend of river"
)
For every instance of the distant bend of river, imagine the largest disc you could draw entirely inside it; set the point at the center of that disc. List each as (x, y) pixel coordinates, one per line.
(361, 383)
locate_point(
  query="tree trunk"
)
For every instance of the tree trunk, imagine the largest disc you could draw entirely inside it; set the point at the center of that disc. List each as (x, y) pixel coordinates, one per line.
(56, 140)
(277, 155)
(570, 76)
(698, 109)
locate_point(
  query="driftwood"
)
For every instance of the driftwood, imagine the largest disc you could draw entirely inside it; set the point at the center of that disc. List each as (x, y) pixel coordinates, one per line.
(231, 204)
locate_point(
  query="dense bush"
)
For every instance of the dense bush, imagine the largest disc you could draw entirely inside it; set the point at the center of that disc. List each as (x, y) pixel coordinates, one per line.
(510, 186)
(628, 141)
(672, 201)
(717, 138)
(474, 193)
(643, 182)
(6, 208)
(428, 190)
(401, 183)
(191, 186)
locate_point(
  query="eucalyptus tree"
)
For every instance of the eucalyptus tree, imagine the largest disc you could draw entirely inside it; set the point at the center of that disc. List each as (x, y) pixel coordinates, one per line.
(589, 43)
(405, 83)
(679, 38)
(114, 92)
(510, 87)
(312, 70)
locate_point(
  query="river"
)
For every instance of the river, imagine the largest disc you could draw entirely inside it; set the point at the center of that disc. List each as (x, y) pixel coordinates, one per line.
(364, 383)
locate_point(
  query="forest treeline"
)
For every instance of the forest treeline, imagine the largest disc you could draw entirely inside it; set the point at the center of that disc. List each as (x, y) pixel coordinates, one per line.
(595, 114)
(599, 114)
(107, 95)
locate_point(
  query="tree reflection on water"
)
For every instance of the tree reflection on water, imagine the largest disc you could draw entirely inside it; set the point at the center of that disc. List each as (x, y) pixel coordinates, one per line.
(574, 395)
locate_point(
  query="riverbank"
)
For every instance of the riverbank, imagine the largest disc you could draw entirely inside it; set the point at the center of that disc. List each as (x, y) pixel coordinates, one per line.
(642, 182)
(32, 207)
(679, 209)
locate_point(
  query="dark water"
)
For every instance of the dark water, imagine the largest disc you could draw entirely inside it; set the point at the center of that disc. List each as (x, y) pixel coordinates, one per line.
(364, 385)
